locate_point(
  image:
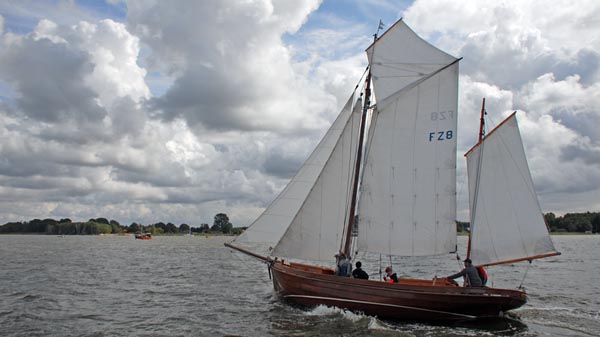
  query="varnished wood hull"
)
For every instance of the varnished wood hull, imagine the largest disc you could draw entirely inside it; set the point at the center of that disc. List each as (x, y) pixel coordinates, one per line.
(411, 299)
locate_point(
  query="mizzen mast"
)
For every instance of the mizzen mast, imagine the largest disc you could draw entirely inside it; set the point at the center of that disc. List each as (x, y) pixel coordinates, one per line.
(479, 139)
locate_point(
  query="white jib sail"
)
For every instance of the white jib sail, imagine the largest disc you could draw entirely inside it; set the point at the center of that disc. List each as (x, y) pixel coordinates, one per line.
(407, 203)
(306, 220)
(507, 223)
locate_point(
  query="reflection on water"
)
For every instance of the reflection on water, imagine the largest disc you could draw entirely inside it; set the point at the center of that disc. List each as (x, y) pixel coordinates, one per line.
(193, 286)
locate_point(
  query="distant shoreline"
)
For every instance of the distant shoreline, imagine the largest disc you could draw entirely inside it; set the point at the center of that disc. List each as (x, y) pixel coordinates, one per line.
(221, 235)
(122, 234)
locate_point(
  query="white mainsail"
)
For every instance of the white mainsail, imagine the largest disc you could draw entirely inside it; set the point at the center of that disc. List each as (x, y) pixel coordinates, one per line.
(507, 223)
(408, 195)
(306, 221)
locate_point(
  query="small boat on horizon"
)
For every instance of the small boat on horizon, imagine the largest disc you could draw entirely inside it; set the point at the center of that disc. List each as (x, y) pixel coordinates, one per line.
(144, 236)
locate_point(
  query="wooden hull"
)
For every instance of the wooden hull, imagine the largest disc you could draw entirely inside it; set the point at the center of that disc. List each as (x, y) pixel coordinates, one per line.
(410, 299)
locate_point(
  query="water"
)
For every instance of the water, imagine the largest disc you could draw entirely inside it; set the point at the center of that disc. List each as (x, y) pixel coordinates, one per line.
(193, 286)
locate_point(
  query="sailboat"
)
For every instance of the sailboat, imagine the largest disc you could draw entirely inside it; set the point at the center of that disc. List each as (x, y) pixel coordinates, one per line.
(383, 180)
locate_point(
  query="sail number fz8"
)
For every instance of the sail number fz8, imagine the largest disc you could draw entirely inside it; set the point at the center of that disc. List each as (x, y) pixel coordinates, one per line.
(441, 135)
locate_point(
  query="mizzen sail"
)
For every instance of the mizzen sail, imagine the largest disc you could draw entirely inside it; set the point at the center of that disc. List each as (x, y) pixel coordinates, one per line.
(407, 203)
(507, 223)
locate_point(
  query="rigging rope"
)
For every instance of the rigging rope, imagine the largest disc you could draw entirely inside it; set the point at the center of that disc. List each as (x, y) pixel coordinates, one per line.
(458, 260)
(347, 229)
(380, 277)
(524, 276)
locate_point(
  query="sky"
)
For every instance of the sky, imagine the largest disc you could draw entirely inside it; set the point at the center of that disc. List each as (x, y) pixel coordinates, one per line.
(174, 111)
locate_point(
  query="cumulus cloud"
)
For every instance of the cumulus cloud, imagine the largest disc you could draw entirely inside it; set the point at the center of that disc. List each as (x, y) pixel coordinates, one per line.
(83, 76)
(565, 144)
(47, 77)
(231, 69)
(242, 110)
(544, 62)
(76, 97)
(179, 110)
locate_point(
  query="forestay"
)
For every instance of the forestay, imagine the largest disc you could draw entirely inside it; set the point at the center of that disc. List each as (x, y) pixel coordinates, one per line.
(306, 221)
(408, 196)
(507, 223)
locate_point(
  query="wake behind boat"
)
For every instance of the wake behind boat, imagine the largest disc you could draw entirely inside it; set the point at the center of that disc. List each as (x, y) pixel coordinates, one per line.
(402, 194)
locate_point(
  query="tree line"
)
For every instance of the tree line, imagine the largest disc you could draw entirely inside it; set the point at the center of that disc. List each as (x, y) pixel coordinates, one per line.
(571, 222)
(66, 226)
(588, 222)
(574, 222)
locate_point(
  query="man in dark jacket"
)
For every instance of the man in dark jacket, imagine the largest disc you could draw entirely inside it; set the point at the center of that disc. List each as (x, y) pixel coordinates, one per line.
(470, 274)
(359, 273)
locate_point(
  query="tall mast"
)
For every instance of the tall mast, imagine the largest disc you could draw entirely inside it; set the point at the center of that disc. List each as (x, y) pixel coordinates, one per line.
(482, 121)
(367, 103)
(480, 138)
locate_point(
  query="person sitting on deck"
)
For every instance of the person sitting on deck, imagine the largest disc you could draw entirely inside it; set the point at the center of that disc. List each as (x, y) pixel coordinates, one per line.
(343, 264)
(359, 273)
(470, 274)
(389, 277)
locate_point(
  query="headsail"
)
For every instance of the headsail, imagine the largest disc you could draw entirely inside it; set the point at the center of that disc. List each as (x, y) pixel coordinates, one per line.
(306, 221)
(507, 223)
(408, 196)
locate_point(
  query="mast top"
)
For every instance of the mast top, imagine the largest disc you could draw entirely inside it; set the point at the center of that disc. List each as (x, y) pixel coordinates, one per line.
(482, 121)
(380, 27)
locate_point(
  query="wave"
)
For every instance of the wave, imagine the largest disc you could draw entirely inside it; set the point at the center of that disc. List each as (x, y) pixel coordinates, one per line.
(323, 310)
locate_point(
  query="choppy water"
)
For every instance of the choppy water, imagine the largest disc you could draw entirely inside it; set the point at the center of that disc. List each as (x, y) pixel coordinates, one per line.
(193, 286)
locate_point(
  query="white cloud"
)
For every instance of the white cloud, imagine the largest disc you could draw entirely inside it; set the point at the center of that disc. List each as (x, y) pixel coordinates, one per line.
(114, 53)
(232, 69)
(242, 91)
(529, 38)
(75, 125)
(218, 139)
(531, 57)
(562, 135)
